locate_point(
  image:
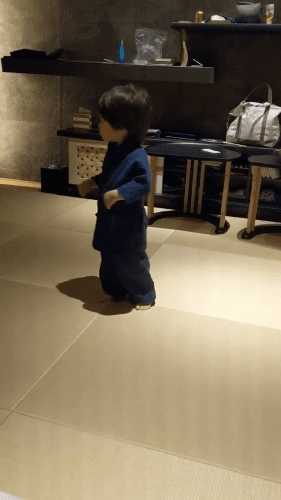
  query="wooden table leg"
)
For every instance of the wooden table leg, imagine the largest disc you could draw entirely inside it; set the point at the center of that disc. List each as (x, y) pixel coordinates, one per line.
(184, 53)
(225, 193)
(194, 179)
(150, 198)
(200, 195)
(186, 189)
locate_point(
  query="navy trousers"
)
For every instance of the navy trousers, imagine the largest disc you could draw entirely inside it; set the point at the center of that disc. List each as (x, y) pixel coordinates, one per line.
(122, 274)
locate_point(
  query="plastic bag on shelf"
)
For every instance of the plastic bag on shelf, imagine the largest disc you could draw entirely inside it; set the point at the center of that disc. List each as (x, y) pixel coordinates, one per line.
(149, 45)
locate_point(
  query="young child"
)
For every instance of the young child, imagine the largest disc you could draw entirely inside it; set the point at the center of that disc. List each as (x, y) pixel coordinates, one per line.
(121, 226)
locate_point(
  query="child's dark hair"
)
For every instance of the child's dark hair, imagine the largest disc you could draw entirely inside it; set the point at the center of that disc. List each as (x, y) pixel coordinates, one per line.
(127, 107)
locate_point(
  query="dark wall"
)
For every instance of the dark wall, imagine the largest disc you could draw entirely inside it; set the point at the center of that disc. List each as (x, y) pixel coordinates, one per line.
(241, 62)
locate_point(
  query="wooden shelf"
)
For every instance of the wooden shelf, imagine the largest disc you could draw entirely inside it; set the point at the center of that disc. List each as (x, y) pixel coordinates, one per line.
(92, 69)
(204, 28)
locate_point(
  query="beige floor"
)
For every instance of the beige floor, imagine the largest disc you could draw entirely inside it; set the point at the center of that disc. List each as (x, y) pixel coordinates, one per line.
(99, 401)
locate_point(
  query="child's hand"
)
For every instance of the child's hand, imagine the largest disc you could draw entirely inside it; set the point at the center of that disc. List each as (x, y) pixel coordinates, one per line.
(111, 197)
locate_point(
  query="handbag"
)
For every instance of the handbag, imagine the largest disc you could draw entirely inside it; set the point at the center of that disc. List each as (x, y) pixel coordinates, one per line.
(253, 123)
(248, 12)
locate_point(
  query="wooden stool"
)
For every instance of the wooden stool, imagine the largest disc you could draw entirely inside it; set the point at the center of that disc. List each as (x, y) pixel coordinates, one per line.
(256, 163)
(199, 155)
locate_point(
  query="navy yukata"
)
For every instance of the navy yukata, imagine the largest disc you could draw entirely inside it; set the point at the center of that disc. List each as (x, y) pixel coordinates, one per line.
(121, 232)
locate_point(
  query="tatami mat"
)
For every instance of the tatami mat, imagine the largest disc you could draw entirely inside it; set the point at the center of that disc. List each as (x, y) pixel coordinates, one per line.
(192, 385)
(100, 401)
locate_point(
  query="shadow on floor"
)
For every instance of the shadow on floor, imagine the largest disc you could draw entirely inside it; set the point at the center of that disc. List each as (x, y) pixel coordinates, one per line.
(89, 291)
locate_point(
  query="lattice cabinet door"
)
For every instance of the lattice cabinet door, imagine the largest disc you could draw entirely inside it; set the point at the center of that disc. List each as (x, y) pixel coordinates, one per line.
(85, 159)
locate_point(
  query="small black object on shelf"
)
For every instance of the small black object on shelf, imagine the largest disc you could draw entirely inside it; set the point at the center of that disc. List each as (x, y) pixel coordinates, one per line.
(26, 53)
(54, 179)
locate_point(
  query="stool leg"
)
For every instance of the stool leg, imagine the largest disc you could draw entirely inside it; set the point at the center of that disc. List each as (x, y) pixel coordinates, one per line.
(195, 168)
(225, 193)
(257, 193)
(253, 201)
(200, 196)
(150, 198)
(186, 189)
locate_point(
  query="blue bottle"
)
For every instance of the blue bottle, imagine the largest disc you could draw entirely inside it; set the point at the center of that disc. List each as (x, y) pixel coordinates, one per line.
(121, 55)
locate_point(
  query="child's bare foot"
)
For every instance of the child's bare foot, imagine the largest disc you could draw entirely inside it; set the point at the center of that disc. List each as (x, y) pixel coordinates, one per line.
(143, 307)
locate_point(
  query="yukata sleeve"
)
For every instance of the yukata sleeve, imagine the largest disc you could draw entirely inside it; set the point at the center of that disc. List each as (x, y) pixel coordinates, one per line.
(138, 181)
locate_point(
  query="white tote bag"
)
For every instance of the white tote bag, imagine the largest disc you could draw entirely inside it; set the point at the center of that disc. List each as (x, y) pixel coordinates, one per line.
(255, 124)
